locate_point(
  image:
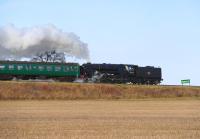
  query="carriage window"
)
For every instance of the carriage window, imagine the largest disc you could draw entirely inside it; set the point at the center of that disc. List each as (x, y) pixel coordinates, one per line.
(34, 67)
(2, 67)
(28, 67)
(76, 68)
(41, 68)
(57, 68)
(11, 67)
(66, 69)
(49, 68)
(19, 67)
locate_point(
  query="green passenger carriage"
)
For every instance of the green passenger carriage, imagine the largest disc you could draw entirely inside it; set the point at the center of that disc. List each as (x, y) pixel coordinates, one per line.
(39, 70)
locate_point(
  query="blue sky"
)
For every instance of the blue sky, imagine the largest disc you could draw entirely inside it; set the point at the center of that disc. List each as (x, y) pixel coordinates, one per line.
(163, 33)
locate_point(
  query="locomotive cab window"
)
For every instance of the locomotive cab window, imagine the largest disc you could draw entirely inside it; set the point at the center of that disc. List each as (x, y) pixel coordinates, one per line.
(2, 67)
(130, 69)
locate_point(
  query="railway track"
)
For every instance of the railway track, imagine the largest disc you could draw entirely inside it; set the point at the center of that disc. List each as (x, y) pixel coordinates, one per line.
(50, 80)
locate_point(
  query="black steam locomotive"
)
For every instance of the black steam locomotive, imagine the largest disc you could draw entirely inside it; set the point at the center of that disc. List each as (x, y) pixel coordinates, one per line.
(121, 73)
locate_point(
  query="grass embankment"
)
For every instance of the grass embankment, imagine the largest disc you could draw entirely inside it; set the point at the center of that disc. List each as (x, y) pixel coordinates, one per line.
(69, 91)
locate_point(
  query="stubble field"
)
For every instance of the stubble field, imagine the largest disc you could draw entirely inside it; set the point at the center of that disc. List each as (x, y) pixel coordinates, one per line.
(100, 119)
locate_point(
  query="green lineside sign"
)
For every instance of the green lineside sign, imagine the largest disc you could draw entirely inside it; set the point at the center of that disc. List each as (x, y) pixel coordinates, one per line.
(187, 81)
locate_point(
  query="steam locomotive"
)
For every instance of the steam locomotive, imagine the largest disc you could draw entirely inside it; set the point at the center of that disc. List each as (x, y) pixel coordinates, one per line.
(70, 72)
(121, 73)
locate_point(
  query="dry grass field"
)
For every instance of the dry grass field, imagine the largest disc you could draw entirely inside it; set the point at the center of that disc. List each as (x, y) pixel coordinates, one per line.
(101, 119)
(13, 90)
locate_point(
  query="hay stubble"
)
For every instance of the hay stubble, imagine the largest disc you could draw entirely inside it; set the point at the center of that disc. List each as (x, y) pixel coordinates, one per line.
(100, 119)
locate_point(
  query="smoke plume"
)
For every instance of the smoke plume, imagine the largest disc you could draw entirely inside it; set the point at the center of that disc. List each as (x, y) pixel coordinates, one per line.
(20, 43)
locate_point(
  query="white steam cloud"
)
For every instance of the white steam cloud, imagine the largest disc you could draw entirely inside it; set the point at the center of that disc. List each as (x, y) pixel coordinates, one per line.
(27, 42)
